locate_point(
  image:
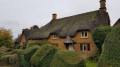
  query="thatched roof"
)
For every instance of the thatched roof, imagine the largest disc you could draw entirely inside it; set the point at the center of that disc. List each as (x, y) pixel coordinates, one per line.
(25, 32)
(117, 22)
(68, 26)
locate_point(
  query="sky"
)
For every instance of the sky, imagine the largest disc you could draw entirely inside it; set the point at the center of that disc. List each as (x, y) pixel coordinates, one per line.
(20, 14)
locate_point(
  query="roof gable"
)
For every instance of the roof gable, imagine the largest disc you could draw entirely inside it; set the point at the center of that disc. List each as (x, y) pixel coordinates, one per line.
(117, 22)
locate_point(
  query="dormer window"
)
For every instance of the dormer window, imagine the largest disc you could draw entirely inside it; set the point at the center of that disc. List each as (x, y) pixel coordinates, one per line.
(84, 34)
(54, 36)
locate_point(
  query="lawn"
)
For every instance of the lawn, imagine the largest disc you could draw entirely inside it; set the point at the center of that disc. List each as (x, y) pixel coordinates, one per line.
(91, 63)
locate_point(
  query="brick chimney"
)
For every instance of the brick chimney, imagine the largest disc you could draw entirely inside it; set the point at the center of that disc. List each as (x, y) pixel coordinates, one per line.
(54, 16)
(102, 6)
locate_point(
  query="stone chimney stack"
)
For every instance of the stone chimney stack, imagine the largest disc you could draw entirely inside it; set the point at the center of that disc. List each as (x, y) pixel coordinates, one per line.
(54, 16)
(102, 6)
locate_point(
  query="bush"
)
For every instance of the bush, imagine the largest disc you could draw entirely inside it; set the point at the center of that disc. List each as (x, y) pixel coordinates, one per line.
(44, 55)
(94, 57)
(4, 59)
(110, 56)
(67, 59)
(3, 50)
(17, 51)
(17, 46)
(24, 46)
(21, 61)
(99, 34)
(28, 52)
(40, 43)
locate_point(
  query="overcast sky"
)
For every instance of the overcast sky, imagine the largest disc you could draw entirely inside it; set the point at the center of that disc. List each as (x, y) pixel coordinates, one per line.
(19, 14)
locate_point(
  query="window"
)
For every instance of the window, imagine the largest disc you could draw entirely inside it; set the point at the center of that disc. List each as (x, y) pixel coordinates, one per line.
(84, 47)
(84, 34)
(54, 36)
(88, 47)
(81, 47)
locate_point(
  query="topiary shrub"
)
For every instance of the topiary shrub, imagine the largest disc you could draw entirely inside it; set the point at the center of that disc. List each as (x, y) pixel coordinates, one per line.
(44, 55)
(67, 59)
(99, 34)
(40, 43)
(28, 52)
(110, 56)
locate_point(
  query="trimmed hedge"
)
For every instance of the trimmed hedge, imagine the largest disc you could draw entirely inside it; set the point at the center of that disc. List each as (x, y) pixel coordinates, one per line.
(99, 34)
(28, 53)
(67, 59)
(44, 55)
(110, 56)
(40, 43)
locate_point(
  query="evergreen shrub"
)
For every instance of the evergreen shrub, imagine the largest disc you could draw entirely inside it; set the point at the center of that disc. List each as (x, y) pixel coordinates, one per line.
(44, 55)
(110, 56)
(40, 43)
(21, 61)
(4, 59)
(67, 59)
(28, 53)
(99, 34)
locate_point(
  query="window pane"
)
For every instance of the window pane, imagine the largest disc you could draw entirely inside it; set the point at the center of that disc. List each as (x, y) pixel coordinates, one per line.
(82, 34)
(88, 47)
(85, 33)
(84, 47)
(81, 47)
(55, 36)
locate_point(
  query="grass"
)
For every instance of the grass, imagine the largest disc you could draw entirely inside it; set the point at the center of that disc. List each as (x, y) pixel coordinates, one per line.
(91, 63)
(6, 66)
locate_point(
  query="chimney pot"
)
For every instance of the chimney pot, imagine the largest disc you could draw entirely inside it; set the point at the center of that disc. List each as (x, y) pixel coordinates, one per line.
(54, 16)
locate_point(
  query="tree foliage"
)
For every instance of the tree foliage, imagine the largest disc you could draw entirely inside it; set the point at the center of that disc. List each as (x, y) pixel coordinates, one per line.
(110, 56)
(6, 38)
(99, 34)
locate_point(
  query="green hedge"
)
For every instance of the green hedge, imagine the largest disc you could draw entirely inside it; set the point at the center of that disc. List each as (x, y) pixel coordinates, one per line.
(99, 34)
(44, 55)
(4, 59)
(40, 43)
(21, 61)
(110, 56)
(28, 52)
(67, 59)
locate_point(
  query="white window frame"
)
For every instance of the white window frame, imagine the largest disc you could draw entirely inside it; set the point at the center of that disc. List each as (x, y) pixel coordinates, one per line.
(54, 36)
(83, 34)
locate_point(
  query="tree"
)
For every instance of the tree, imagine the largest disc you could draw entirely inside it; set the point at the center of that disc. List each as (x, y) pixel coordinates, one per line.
(99, 34)
(6, 38)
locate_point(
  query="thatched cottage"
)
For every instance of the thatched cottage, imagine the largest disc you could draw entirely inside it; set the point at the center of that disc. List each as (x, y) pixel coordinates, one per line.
(69, 33)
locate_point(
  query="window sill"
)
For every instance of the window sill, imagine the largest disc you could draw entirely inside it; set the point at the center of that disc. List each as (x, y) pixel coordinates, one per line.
(54, 38)
(85, 37)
